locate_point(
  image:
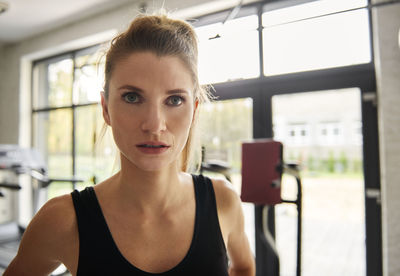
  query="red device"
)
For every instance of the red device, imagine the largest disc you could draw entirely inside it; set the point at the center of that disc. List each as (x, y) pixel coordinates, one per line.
(262, 171)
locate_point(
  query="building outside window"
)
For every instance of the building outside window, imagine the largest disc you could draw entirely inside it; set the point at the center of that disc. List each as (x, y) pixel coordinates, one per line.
(330, 133)
(298, 133)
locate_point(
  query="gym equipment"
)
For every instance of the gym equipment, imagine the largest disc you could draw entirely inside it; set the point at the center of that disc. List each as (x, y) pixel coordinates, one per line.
(16, 161)
(262, 169)
(216, 166)
(261, 172)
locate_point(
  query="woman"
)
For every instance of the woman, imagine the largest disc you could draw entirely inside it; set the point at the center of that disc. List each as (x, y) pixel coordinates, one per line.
(150, 218)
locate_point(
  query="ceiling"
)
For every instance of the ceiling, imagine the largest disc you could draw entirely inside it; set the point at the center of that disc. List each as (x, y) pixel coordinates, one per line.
(26, 18)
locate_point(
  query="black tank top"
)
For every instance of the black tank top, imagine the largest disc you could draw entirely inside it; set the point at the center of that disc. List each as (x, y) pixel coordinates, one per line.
(99, 255)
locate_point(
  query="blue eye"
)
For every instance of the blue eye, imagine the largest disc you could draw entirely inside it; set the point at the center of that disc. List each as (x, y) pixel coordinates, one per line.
(131, 97)
(175, 100)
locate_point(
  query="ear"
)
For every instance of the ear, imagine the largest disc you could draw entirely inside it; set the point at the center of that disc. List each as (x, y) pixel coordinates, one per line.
(104, 105)
(196, 104)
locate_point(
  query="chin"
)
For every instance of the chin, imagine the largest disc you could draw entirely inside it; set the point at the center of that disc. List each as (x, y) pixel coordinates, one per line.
(153, 166)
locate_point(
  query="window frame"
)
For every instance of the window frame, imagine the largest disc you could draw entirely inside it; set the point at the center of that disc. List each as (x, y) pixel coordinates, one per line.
(262, 89)
(73, 107)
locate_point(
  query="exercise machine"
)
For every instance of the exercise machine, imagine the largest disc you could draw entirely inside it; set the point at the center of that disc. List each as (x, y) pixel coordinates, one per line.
(262, 169)
(14, 163)
(215, 166)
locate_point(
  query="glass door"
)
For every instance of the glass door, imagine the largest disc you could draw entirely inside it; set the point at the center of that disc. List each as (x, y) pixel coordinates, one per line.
(322, 132)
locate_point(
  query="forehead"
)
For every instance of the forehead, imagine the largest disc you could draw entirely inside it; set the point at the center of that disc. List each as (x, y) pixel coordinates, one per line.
(146, 70)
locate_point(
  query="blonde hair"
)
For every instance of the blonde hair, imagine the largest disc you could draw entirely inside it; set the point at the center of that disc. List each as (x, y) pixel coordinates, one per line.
(162, 36)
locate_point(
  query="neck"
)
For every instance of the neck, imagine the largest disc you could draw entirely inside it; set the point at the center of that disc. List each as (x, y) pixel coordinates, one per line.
(149, 191)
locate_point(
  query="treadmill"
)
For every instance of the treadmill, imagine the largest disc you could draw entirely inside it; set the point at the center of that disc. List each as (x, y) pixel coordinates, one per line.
(14, 162)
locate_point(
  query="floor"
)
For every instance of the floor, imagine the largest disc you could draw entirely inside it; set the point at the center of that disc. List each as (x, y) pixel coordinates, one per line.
(333, 239)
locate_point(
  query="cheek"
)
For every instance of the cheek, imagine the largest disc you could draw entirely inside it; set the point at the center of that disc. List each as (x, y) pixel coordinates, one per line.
(124, 123)
(119, 119)
(181, 122)
(185, 115)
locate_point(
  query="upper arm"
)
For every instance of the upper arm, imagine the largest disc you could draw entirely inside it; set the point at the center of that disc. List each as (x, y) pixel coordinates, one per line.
(42, 246)
(232, 220)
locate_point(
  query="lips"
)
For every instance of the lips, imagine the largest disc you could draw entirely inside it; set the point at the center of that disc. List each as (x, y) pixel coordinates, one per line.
(152, 147)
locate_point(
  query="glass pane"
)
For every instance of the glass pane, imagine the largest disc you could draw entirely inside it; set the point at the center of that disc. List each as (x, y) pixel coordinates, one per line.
(89, 76)
(223, 127)
(52, 83)
(321, 132)
(230, 51)
(331, 41)
(88, 56)
(95, 154)
(53, 137)
(311, 9)
(60, 83)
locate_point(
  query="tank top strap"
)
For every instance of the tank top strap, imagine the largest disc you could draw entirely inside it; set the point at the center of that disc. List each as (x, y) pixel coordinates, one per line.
(210, 234)
(88, 212)
(94, 236)
(206, 201)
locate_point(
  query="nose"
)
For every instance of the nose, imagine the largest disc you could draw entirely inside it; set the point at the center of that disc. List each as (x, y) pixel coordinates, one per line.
(154, 120)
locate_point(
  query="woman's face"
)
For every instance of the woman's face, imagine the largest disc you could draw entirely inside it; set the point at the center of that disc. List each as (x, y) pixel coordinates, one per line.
(150, 109)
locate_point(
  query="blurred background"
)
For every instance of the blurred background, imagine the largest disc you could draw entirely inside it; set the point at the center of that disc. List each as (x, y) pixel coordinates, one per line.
(320, 76)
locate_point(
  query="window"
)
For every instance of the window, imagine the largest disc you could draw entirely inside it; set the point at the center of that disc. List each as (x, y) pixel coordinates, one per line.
(67, 119)
(332, 182)
(299, 134)
(330, 133)
(224, 125)
(88, 77)
(229, 51)
(314, 36)
(53, 83)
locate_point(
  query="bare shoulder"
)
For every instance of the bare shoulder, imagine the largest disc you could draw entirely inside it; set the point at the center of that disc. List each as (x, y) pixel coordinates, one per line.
(224, 191)
(228, 201)
(231, 219)
(49, 238)
(57, 204)
(57, 216)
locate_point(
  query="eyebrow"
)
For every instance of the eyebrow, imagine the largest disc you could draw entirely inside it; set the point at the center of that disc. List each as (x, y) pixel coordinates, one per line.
(137, 89)
(130, 87)
(177, 91)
